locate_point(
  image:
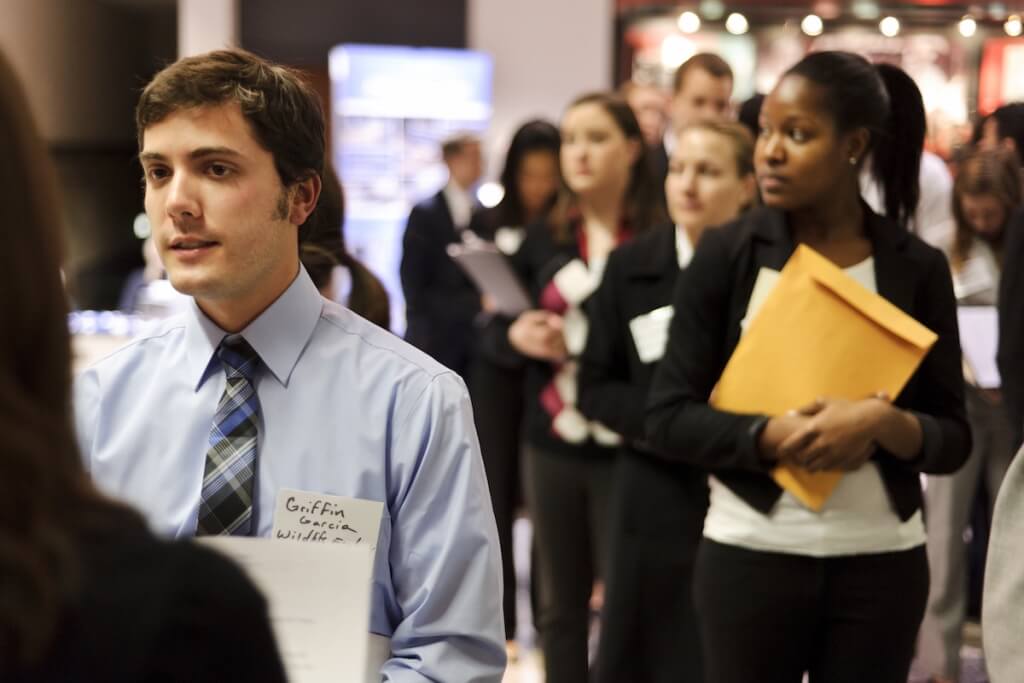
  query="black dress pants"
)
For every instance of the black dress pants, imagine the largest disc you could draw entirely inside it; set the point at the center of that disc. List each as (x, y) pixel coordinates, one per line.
(497, 394)
(568, 500)
(770, 617)
(648, 625)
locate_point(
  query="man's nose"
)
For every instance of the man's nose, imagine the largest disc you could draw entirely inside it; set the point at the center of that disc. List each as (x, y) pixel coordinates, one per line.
(182, 197)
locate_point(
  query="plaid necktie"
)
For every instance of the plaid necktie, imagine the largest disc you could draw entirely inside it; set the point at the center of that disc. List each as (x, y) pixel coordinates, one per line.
(225, 506)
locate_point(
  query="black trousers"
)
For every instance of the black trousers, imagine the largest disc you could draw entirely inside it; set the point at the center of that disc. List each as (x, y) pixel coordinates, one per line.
(568, 500)
(770, 617)
(497, 395)
(648, 625)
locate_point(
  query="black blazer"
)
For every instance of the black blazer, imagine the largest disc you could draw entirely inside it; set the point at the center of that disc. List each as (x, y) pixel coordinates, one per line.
(613, 382)
(711, 299)
(1011, 326)
(440, 300)
(536, 262)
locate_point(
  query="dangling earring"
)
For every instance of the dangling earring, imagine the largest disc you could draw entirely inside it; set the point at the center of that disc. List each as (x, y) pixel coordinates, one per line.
(853, 161)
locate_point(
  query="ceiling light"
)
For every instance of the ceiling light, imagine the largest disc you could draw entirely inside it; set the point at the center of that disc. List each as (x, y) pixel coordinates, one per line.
(890, 27)
(1013, 26)
(967, 27)
(812, 25)
(490, 194)
(736, 24)
(689, 22)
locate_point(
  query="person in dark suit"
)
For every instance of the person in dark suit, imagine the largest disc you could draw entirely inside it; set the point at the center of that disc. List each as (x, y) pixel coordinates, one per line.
(440, 300)
(781, 589)
(648, 628)
(87, 592)
(530, 179)
(607, 199)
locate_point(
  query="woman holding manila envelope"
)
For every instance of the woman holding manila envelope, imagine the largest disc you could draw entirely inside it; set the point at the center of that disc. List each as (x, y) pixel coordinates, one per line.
(813, 366)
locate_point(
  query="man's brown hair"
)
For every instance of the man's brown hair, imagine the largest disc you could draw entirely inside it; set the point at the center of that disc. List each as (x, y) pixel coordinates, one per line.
(706, 61)
(283, 109)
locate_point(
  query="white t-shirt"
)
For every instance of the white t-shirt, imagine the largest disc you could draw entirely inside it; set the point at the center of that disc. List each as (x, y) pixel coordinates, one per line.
(858, 517)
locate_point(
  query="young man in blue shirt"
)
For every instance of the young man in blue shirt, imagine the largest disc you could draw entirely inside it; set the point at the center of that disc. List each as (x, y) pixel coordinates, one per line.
(264, 385)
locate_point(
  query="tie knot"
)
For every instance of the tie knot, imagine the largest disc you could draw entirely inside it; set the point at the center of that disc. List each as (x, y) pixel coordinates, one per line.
(239, 359)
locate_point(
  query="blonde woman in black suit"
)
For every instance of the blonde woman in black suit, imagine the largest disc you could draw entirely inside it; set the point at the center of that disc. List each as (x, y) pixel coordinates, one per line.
(648, 630)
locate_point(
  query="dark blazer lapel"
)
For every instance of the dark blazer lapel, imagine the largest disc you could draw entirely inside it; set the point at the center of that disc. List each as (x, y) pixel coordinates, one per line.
(893, 277)
(657, 257)
(774, 244)
(444, 213)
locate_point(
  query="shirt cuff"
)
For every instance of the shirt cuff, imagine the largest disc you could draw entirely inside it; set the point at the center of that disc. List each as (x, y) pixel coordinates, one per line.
(749, 447)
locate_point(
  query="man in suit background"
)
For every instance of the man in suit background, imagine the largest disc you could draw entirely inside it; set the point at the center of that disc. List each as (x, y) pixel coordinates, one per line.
(701, 88)
(441, 302)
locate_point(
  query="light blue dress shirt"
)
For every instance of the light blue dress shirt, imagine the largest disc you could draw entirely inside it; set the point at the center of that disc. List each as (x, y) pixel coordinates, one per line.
(346, 409)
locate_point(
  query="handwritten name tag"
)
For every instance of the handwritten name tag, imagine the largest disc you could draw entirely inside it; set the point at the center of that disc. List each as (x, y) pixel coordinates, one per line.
(650, 333)
(322, 518)
(974, 277)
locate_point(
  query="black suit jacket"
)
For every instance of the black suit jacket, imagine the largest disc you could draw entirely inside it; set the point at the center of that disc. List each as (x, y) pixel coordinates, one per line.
(440, 300)
(710, 300)
(640, 277)
(539, 258)
(1011, 326)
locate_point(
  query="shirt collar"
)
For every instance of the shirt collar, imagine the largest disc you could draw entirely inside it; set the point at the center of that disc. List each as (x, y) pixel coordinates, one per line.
(278, 335)
(684, 247)
(460, 204)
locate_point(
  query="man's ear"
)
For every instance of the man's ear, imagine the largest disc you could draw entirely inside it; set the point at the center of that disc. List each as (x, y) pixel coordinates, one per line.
(302, 199)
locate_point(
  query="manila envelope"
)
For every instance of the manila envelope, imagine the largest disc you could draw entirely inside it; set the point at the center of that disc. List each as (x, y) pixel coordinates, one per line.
(819, 333)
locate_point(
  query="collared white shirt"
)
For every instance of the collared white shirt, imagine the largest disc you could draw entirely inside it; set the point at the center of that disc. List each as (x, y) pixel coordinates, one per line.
(684, 247)
(460, 204)
(345, 409)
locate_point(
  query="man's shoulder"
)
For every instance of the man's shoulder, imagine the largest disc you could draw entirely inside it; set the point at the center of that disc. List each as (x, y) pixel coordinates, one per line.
(149, 345)
(377, 348)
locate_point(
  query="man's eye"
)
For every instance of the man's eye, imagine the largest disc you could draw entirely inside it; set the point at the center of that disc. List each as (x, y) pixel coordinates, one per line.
(798, 135)
(156, 173)
(219, 170)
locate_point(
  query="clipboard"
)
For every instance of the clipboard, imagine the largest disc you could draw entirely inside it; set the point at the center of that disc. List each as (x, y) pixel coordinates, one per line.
(979, 338)
(490, 271)
(819, 333)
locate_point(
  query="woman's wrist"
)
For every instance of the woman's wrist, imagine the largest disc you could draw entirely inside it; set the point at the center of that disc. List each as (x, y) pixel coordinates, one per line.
(895, 430)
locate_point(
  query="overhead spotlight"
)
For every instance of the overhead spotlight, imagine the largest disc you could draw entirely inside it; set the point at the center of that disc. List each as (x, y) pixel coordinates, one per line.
(889, 26)
(713, 10)
(968, 26)
(812, 25)
(1013, 26)
(689, 22)
(490, 194)
(736, 24)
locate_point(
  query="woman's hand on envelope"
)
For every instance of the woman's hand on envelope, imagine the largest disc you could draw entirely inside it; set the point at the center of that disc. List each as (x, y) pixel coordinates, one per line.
(538, 334)
(838, 434)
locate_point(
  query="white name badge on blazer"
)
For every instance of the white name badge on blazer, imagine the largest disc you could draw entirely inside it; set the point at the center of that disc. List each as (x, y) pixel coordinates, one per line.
(974, 277)
(650, 333)
(322, 518)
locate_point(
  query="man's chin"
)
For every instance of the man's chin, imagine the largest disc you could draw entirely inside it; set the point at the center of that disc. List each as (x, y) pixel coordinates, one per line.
(192, 285)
